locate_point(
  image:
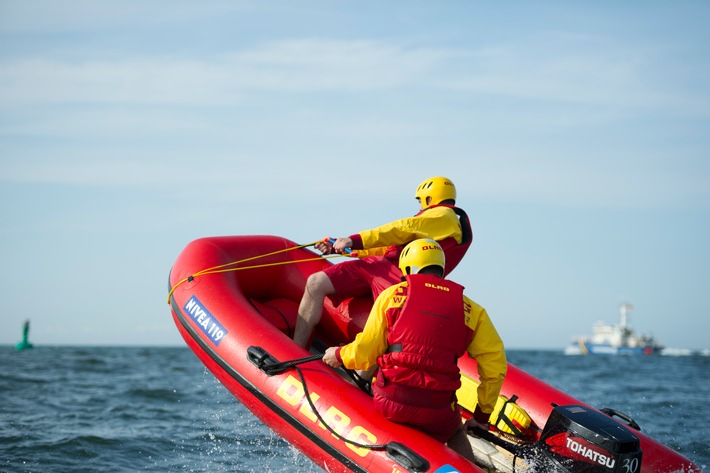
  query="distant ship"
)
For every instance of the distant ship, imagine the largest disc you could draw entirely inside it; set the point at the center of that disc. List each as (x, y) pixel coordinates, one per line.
(615, 339)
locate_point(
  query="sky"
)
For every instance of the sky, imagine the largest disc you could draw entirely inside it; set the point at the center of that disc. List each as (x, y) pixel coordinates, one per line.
(577, 134)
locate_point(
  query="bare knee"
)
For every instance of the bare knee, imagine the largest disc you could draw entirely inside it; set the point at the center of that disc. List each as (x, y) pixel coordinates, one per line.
(318, 286)
(310, 310)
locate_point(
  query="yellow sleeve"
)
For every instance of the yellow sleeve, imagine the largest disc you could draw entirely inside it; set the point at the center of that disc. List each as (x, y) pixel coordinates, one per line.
(488, 350)
(379, 251)
(362, 353)
(436, 223)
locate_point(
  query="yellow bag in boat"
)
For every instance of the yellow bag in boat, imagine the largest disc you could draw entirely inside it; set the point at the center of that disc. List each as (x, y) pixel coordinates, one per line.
(513, 420)
(509, 417)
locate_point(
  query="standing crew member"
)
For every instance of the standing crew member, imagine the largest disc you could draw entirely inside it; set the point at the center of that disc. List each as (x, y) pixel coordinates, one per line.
(377, 252)
(416, 331)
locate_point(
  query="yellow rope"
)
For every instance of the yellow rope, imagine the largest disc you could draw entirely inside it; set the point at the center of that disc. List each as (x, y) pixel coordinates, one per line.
(220, 268)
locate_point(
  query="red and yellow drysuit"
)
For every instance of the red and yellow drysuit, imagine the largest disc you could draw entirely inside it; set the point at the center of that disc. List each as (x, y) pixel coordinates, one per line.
(378, 250)
(416, 331)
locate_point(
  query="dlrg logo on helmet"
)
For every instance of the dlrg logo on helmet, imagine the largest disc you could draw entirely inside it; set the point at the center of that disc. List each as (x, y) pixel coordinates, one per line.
(434, 191)
(417, 255)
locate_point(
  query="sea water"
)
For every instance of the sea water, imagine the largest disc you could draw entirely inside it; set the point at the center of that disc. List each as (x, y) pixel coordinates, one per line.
(149, 409)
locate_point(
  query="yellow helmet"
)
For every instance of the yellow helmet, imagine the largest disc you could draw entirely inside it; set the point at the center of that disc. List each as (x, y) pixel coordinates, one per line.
(420, 254)
(435, 190)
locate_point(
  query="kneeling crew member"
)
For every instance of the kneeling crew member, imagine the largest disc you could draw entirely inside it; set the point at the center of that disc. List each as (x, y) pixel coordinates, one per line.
(415, 333)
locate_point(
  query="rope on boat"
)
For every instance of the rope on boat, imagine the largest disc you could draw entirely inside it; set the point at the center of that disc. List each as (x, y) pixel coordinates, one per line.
(271, 367)
(382, 446)
(398, 452)
(224, 268)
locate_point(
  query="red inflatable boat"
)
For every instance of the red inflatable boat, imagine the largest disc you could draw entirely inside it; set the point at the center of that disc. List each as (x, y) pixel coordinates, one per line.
(235, 299)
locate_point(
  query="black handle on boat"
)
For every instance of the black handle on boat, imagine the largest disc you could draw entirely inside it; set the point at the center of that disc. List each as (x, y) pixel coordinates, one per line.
(614, 413)
(287, 365)
(270, 365)
(406, 457)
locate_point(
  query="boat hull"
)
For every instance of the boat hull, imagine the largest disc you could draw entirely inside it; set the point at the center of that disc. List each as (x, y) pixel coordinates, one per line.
(588, 348)
(606, 349)
(224, 313)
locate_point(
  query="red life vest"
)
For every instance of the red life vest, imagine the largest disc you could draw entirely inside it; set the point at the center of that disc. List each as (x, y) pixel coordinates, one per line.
(453, 250)
(427, 335)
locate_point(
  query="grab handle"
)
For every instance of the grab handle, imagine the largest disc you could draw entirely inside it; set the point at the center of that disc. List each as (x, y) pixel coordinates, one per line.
(614, 413)
(406, 457)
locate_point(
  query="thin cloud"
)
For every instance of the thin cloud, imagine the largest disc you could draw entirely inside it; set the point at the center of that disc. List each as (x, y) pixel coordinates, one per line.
(287, 66)
(602, 76)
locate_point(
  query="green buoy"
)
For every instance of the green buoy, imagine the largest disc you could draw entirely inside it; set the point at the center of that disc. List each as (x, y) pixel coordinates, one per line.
(25, 344)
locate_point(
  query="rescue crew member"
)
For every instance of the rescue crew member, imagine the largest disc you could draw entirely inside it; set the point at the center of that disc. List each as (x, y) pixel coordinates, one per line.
(377, 252)
(415, 333)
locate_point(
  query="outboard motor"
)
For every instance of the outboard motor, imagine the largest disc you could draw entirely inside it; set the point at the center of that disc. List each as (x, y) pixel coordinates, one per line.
(582, 440)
